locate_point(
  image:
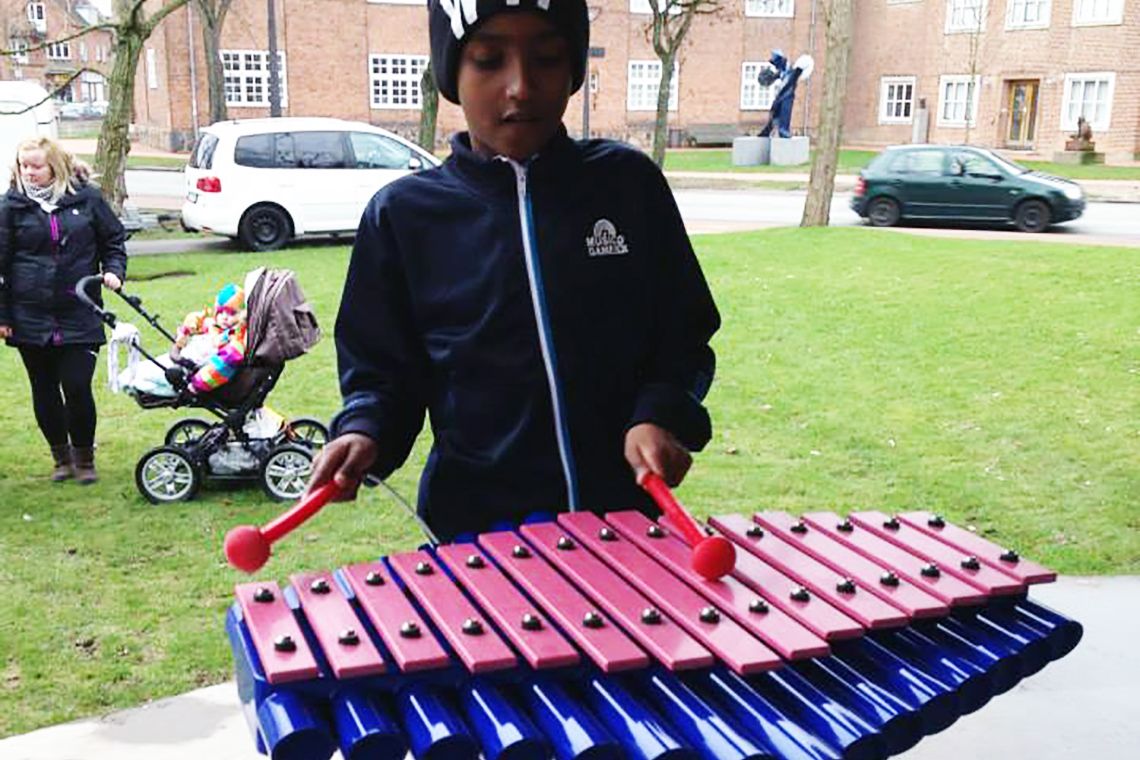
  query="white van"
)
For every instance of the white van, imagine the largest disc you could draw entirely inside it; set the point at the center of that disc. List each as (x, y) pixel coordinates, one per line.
(26, 110)
(266, 181)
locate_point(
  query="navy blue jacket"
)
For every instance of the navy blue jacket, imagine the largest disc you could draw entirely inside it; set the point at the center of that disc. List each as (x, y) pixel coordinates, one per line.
(537, 312)
(43, 256)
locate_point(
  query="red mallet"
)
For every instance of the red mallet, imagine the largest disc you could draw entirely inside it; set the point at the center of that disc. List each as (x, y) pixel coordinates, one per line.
(713, 556)
(247, 546)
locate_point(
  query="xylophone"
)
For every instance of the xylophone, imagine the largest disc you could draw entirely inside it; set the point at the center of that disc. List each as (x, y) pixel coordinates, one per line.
(592, 637)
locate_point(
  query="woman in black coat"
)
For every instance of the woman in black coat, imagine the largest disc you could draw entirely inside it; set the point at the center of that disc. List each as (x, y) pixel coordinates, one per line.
(55, 229)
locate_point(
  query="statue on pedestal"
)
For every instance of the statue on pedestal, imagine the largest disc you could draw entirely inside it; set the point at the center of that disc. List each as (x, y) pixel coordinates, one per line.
(777, 71)
(1082, 140)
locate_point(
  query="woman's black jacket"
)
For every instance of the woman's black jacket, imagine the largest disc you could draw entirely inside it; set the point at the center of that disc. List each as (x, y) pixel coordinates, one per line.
(43, 256)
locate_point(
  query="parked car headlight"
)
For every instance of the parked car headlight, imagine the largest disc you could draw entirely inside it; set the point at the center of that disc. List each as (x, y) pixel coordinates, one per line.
(1073, 192)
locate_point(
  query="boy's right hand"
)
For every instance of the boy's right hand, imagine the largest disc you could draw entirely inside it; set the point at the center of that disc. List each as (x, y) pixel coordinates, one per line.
(345, 460)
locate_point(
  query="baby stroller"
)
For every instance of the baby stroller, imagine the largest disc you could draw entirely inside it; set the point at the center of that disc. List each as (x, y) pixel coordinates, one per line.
(247, 441)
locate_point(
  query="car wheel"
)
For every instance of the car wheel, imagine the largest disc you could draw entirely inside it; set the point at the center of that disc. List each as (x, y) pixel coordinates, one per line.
(883, 212)
(1032, 216)
(166, 475)
(265, 228)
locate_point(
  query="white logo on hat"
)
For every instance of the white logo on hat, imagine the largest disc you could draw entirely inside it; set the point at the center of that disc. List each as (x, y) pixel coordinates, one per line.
(464, 11)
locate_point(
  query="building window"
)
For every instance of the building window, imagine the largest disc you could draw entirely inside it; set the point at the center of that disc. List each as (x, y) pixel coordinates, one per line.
(37, 16)
(957, 101)
(644, 7)
(396, 80)
(151, 69)
(896, 100)
(645, 83)
(965, 15)
(1027, 14)
(19, 48)
(753, 97)
(1096, 12)
(59, 51)
(247, 77)
(1090, 96)
(770, 8)
(82, 51)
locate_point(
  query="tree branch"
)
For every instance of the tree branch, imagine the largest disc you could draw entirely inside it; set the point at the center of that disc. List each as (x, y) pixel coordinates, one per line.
(156, 18)
(40, 46)
(51, 94)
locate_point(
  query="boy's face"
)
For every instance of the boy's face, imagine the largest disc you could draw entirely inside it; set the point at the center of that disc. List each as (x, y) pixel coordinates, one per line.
(514, 83)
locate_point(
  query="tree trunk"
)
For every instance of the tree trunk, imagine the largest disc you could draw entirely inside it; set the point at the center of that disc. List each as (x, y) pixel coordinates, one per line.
(211, 46)
(429, 96)
(817, 209)
(114, 138)
(661, 123)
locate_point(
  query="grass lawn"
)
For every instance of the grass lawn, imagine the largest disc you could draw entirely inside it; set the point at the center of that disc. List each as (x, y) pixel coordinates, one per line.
(145, 162)
(993, 382)
(851, 161)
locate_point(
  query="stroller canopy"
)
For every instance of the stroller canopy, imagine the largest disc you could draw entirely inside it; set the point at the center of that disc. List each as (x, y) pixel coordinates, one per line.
(281, 324)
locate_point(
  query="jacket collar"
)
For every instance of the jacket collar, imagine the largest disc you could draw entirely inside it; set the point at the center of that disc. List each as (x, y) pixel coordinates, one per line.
(17, 198)
(496, 173)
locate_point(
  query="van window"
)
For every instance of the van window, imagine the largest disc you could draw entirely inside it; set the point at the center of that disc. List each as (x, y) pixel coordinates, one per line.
(378, 152)
(255, 150)
(311, 150)
(202, 157)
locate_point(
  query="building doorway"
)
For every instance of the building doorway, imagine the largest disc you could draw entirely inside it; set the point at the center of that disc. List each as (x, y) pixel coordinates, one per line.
(1021, 105)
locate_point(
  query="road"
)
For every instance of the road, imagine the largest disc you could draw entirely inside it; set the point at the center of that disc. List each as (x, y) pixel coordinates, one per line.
(723, 210)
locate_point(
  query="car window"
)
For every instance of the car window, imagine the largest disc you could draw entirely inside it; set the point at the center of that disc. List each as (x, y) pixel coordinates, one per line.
(255, 151)
(202, 157)
(310, 150)
(929, 162)
(972, 163)
(379, 152)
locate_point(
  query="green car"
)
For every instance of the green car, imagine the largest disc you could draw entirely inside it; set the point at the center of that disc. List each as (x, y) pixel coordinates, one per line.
(961, 183)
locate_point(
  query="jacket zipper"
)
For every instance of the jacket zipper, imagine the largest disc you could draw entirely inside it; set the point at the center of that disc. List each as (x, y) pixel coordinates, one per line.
(53, 224)
(545, 336)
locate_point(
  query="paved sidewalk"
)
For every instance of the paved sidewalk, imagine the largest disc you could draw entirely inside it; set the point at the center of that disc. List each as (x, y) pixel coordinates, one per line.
(1084, 706)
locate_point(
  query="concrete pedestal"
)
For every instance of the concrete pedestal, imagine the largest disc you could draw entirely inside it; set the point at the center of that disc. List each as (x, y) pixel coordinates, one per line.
(1078, 157)
(790, 151)
(750, 151)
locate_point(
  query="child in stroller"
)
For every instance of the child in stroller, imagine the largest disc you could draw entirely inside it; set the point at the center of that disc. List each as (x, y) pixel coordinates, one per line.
(226, 364)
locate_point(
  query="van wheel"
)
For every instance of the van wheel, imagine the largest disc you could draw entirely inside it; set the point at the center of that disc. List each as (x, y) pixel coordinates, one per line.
(883, 212)
(265, 228)
(1032, 216)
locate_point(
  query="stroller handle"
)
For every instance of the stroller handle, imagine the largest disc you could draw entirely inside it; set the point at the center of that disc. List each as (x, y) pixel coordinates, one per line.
(82, 293)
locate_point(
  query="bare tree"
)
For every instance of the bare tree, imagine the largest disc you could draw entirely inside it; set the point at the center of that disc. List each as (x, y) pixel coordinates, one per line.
(429, 112)
(670, 21)
(980, 19)
(839, 24)
(213, 16)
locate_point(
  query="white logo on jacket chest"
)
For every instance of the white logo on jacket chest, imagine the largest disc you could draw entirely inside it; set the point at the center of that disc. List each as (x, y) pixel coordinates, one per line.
(606, 241)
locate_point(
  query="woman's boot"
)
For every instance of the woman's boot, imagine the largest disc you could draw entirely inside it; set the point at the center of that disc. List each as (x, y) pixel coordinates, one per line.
(85, 465)
(61, 455)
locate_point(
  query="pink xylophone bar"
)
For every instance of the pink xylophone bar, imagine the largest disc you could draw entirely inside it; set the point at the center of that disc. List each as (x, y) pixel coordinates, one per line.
(590, 638)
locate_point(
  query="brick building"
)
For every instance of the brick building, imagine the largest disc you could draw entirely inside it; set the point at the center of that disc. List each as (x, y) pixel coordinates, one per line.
(1004, 73)
(59, 65)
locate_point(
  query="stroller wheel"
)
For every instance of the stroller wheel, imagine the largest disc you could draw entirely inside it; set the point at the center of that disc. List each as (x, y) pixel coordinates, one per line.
(186, 432)
(285, 472)
(167, 474)
(306, 432)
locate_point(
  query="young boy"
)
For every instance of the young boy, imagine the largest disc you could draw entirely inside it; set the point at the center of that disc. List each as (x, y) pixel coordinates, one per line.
(537, 296)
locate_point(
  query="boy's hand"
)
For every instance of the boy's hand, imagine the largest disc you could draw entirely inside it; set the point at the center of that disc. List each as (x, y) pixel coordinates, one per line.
(650, 448)
(5, 331)
(346, 460)
(112, 281)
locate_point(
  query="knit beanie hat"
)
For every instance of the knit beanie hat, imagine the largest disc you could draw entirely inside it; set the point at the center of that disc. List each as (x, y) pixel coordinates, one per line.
(231, 298)
(452, 21)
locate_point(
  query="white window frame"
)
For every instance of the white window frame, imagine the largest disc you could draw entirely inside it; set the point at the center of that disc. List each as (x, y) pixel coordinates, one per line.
(770, 8)
(19, 48)
(37, 15)
(753, 97)
(1085, 12)
(956, 11)
(58, 51)
(973, 87)
(1016, 11)
(240, 77)
(151, 69)
(885, 83)
(652, 83)
(397, 98)
(645, 8)
(1069, 122)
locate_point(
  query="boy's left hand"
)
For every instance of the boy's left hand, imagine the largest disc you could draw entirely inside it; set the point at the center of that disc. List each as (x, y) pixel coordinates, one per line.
(112, 281)
(651, 448)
